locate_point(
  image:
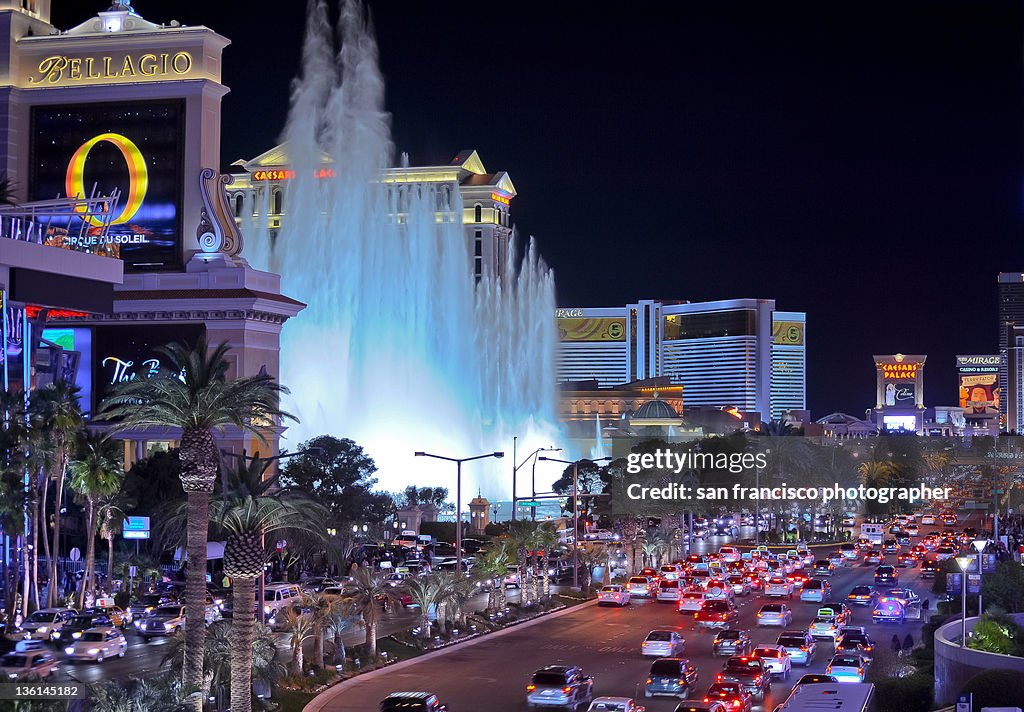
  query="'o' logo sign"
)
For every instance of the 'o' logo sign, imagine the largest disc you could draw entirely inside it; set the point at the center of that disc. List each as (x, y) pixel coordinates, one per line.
(138, 175)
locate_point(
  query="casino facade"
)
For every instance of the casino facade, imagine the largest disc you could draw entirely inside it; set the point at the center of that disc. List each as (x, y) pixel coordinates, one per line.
(120, 237)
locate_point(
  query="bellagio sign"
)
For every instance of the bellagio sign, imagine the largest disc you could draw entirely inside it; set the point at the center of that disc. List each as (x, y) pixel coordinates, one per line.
(64, 70)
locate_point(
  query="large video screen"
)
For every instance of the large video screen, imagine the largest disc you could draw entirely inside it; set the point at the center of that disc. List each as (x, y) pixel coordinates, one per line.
(132, 147)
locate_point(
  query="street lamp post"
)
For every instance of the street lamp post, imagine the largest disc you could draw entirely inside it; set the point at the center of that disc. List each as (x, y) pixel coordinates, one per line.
(575, 514)
(458, 495)
(963, 562)
(979, 546)
(516, 468)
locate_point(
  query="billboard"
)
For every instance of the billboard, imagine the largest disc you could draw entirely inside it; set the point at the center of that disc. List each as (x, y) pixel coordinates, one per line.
(788, 333)
(899, 394)
(131, 147)
(978, 380)
(591, 329)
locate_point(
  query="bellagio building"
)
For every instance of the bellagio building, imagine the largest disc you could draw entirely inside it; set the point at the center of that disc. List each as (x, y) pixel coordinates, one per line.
(259, 197)
(738, 354)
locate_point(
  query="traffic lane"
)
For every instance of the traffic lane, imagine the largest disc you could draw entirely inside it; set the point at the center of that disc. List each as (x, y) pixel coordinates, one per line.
(605, 642)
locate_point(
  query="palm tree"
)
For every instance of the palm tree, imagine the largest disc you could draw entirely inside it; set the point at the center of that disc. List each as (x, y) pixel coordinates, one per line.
(111, 515)
(194, 394)
(367, 594)
(590, 556)
(322, 611)
(545, 541)
(61, 421)
(7, 189)
(520, 533)
(300, 628)
(340, 618)
(492, 567)
(96, 475)
(424, 592)
(255, 507)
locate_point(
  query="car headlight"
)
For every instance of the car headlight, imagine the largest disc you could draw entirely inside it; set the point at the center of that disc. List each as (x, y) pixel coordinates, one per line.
(167, 626)
(42, 630)
(266, 609)
(12, 676)
(138, 623)
(93, 651)
(77, 634)
(69, 651)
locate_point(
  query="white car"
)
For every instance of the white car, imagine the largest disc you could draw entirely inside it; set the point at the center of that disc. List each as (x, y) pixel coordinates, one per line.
(669, 572)
(729, 554)
(778, 587)
(663, 644)
(691, 601)
(847, 667)
(928, 519)
(639, 586)
(775, 614)
(97, 644)
(613, 595)
(42, 624)
(775, 658)
(614, 704)
(716, 590)
(599, 535)
(669, 591)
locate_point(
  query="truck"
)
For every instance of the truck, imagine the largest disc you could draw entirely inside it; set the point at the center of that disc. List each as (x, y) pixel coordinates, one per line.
(873, 532)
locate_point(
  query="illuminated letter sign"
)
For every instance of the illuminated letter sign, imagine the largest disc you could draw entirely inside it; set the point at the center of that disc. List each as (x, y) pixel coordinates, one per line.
(61, 70)
(138, 176)
(899, 371)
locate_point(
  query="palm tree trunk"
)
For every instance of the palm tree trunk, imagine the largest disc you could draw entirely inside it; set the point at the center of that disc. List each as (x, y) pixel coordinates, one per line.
(35, 553)
(50, 595)
(339, 645)
(110, 562)
(88, 580)
(318, 646)
(195, 591)
(297, 660)
(61, 470)
(371, 640)
(243, 632)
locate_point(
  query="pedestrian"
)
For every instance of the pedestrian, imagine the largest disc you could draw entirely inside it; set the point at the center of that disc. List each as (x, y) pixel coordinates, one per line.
(908, 644)
(896, 645)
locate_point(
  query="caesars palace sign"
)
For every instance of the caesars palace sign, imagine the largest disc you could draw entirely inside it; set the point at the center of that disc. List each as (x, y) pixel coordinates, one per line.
(62, 70)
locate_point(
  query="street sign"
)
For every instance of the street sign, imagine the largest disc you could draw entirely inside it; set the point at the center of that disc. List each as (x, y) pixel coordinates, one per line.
(75, 554)
(135, 528)
(529, 504)
(964, 702)
(954, 583)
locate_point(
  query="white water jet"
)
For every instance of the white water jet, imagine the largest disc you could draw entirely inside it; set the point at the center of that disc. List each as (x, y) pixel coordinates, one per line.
(399, 348)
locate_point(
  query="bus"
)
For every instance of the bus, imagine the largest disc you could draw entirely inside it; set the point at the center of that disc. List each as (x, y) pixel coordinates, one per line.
(830, 697)
(874, 533)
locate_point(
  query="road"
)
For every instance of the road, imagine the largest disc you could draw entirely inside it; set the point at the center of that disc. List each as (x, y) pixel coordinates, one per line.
(605, 642)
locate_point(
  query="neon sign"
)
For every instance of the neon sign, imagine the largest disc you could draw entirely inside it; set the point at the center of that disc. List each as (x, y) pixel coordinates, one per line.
(62, 69)
(282, 174)
(138, 175)
(500, 198)
(123, 370)
(899, 371)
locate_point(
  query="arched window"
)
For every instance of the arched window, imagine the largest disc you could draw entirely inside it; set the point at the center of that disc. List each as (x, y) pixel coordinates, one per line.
(239, 203)
(478, 213)
(278, 201)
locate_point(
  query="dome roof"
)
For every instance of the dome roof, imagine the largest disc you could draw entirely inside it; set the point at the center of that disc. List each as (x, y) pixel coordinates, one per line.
(655, 410)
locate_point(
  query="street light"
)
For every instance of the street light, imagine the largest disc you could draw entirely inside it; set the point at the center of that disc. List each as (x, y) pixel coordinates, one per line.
(979, 546)
(515, 469)
(458, 495)
(963, 562)
(575, 514)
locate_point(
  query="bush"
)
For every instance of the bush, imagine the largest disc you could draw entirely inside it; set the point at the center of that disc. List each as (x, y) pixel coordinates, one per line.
(1005, 587)
(994, 688)
(908, 694)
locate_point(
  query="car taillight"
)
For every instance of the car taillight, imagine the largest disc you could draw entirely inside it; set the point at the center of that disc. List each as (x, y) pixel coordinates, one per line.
(531, 688)
(682, 681)
(707, 699)
(649, 681)
(757, 679)
(803, 647)
(735, 703)
(567, 690)
(718, 677)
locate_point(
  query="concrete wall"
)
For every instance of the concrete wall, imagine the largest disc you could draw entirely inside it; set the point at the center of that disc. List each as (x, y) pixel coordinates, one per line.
(954, 665)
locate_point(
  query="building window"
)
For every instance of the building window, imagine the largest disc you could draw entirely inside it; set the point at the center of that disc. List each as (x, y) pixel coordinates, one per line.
(278, 202)
(478, 213)
(239, 202)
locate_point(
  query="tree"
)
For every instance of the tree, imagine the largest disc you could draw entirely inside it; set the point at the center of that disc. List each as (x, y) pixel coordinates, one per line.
(300, 629)
(194, 394)
(591, 555)
(491, 568)
(341, 474)
(153, 482)
(367, 594)
(96, 474)
(424, 592)
(60, 420)
(256, 510)
(111, 515)
(544, 543)
(412, 495)
(1005, 587)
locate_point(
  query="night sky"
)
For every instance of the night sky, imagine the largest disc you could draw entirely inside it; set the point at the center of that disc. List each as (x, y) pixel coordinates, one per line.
(860, 161)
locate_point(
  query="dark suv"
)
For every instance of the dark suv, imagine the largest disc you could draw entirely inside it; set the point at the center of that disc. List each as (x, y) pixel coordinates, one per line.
(749, 673)
(732, 642)
(676, 677)
(559, 686)
(887, 575)
(412, 702)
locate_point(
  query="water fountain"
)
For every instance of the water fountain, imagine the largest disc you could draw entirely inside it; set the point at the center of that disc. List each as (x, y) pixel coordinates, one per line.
(399, 348)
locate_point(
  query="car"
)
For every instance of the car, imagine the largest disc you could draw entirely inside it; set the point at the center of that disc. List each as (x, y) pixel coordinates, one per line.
(817, 591)
(798, 579)
(849, 521)
(691, 601)
(852, 641)
(599, 535)
(799, 644)
(733, 696)
(613, 595)
(614, 704)
(119, 617)
(717, 590)
(824, 567)
(838, 611)
(663, 644)
(97, 644)
(906, 559)
(749, 672)
(778, 587)
(944, 552)
(862, 596)
(701, 706)
(559, 686)
(27, 665)
(836, 558)
(740, 584)
(849, 551)
(73, 629)
(148, 602)
(669, 572)
(847, 667)
(675, 677)
(928, 519)
(42, 624)
(164, 620)
(669, 591)
(887, 575)
(871, 556)
(640, 587)
(732, 642)
(929, 569)
(412, 702)
(824, 627)
(716, 614)
(775, 658)
(913, 529)
(815, 679)
(775, 614)
(908, 597)
(890, 546)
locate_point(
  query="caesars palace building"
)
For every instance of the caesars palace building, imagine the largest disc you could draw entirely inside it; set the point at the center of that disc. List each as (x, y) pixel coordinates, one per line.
(121, 237)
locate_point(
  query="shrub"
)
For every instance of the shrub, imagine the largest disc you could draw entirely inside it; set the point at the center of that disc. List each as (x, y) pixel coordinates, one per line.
(994, 688)
(908, 694)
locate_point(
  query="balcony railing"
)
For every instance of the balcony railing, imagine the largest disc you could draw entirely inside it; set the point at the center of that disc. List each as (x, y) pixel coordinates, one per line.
(78, 224)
